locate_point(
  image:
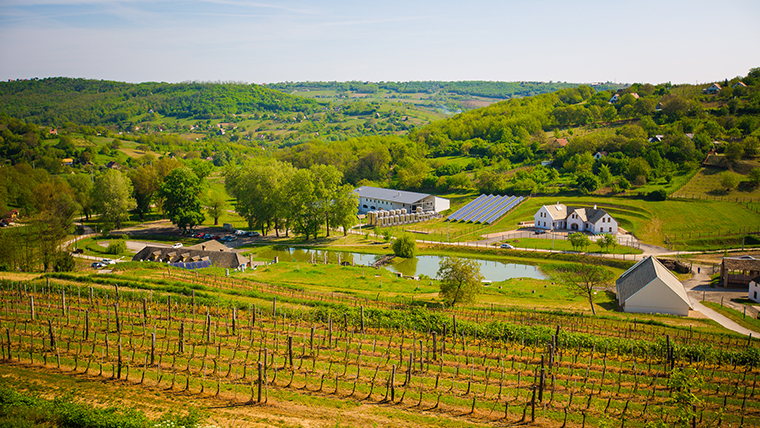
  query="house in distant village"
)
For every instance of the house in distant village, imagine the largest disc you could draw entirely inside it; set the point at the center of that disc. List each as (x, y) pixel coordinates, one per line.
(600, 155)
(560, 216)
(649, 287)
(712, 89)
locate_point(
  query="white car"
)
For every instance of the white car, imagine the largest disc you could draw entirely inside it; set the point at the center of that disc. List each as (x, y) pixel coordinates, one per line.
(108, 262)
(177, 245)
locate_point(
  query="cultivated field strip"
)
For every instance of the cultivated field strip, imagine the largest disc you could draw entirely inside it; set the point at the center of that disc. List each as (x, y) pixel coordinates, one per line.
(254, 354)
(576, 324)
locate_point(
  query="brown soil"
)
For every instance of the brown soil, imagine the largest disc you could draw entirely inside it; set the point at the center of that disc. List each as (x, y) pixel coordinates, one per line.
(313, 409)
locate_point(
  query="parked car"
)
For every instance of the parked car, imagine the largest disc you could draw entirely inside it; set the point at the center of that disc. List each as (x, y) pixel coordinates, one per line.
(177, 245)
(107, 262)
(508, 246)
(539, 231)
(97, 265)
(231, 238)
(254, 233)
(240, 232)
(207, 236)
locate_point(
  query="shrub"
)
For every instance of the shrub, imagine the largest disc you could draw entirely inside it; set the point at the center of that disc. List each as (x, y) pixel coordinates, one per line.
(404, 246)
(657, 195)
(116, 246)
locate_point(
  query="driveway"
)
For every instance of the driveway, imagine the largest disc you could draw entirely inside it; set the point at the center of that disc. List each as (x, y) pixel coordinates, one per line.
(698, 286)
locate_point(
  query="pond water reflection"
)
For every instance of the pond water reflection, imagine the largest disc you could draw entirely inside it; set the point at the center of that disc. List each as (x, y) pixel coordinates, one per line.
(420, 265)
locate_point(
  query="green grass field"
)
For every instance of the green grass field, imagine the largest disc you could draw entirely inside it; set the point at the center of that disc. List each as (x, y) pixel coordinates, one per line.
(564, 245)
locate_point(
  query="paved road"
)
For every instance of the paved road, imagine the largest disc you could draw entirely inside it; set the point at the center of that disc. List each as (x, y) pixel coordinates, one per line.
(699, 285)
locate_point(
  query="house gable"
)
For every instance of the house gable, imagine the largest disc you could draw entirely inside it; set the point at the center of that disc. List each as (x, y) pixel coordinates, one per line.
(657, 297)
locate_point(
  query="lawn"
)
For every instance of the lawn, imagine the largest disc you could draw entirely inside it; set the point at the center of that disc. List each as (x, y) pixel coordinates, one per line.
(564, 245)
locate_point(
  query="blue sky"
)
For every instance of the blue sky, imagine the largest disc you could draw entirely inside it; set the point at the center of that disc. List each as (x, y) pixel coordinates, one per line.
(682, 41)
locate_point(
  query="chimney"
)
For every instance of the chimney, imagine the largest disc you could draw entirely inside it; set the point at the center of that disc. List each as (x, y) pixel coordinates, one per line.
(594, 206)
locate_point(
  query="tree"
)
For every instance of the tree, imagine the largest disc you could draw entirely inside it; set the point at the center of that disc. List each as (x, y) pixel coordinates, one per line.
(404, 246)
(201, 168)
(734, 151)
(181, 191)
(327, 180)
(112, 197)
(754, 177)
(343, 211)
(605, 176)
(81, 184)
(146, 183)
(460, 279)
(729, 180)
(216, 203)
(55, 206)
(586, 182)
(638, 169)
(584, 278)
(606, 240)
(303, 208)
(579, 240)
(259, 189)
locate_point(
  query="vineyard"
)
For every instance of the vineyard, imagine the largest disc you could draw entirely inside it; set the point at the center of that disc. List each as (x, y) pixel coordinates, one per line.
(259, 343)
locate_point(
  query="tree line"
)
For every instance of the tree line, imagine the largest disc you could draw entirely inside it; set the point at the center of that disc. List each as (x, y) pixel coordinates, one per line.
(274, 195)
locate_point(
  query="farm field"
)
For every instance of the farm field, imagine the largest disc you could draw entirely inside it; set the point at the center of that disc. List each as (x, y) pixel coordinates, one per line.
(265, 350)
(706, 185)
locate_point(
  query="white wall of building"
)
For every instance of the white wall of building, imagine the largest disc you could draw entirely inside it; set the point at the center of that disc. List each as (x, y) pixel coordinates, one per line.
(754, 291)
(656, 297)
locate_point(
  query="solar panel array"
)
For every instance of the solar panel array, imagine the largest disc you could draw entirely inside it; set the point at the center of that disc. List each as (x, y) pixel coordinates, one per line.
(486, 209)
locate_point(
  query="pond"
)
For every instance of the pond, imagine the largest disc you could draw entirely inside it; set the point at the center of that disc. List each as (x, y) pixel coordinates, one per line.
(491, 270)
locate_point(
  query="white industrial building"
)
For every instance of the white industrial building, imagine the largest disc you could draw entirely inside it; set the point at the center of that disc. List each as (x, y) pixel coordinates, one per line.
(377, 199)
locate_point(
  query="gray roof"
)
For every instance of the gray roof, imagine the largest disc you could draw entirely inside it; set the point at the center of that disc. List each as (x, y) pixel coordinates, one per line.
(392, 195)
(210, 245)
(224, 259)
(742, 263)
(643, 273)
(561, 212)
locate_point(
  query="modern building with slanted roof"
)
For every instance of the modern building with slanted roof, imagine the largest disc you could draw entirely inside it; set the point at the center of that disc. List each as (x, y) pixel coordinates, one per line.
(649, 287)
(560, 216)
(375, 198)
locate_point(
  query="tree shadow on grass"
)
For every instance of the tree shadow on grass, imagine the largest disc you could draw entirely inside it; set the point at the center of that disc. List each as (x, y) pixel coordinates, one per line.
(610, 305)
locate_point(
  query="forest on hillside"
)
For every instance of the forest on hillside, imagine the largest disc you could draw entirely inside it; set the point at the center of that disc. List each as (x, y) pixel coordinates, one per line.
(56, 101)
(642, 140)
